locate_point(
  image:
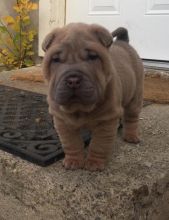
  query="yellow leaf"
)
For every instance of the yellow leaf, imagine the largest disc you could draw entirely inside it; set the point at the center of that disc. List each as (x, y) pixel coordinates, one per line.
(4, 51)
(9, 20)
(24, 1)
(17, 8)
(32, 6)
(26, 18)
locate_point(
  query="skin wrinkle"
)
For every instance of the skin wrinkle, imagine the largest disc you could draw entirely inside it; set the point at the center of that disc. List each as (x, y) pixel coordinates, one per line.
(100, 78)
(114, 72)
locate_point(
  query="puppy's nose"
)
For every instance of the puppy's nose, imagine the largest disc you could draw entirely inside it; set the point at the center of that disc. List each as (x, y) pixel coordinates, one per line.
(73, 82)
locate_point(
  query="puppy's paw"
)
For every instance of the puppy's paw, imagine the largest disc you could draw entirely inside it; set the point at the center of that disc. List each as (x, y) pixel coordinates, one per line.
(131, 139)
(73, 162)
(94, 164)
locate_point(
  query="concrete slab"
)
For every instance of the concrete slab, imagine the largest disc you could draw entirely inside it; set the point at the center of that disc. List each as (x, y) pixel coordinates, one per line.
(11, 208)
(135, 185)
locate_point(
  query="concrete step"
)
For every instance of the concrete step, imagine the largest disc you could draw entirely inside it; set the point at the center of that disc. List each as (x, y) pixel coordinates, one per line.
(11, 208)
(135, 185)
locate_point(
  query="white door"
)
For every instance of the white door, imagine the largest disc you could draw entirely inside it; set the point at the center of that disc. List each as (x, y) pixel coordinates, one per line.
(146, 20)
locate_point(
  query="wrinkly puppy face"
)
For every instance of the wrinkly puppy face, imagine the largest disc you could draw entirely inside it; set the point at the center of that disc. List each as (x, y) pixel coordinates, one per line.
(77, 66)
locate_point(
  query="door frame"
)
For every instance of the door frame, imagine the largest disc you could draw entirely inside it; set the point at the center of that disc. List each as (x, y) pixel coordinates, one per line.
(55, 16)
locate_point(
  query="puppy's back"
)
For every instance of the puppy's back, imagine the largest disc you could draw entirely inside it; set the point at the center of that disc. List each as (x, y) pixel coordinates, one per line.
(127, 63)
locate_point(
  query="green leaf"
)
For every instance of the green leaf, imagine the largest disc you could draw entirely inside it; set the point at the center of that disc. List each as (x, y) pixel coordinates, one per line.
(30, 53)
(28, 62)
(16, 38)
(3, 29)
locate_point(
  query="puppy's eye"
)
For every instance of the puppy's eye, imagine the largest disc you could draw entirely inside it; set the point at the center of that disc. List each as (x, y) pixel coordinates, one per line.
(92, 56)
(56, 59)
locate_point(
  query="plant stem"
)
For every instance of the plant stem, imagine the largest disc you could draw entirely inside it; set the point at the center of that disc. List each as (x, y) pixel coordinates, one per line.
(20, 42)
(8, 47)
(9, 34)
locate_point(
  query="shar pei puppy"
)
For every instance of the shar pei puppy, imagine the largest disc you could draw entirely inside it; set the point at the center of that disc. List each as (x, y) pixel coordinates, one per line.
(95, 78)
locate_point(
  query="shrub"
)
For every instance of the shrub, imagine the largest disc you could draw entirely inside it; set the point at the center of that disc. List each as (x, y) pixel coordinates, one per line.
(17, 36)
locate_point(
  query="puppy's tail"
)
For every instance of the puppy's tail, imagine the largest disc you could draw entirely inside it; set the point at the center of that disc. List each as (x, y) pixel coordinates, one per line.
(121, 33)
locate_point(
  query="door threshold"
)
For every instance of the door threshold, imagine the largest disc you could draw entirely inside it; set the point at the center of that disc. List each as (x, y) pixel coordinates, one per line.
(156, 64)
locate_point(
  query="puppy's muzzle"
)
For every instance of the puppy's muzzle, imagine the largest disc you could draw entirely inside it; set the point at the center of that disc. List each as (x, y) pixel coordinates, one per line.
(74, 81)
(75, 87)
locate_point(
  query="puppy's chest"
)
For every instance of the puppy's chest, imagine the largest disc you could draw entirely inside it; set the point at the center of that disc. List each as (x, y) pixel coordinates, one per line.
(81, 119)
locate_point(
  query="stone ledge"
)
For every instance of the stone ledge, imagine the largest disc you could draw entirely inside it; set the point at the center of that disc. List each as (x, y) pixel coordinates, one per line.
(30, 79)
(134, 186)
(156, 82)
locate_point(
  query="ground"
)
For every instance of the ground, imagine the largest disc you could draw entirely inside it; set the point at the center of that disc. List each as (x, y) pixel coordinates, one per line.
(134, 186)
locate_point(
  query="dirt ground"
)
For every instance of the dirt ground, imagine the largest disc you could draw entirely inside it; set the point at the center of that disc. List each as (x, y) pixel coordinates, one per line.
(156, 89)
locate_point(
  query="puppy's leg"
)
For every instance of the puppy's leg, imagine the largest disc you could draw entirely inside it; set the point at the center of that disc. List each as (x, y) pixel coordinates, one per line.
(73, 145)
(130, 124)
(132, 111)
(101, 145)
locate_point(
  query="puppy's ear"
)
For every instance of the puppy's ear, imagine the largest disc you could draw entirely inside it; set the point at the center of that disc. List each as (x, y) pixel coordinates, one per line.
(103, 35)
(49, 39)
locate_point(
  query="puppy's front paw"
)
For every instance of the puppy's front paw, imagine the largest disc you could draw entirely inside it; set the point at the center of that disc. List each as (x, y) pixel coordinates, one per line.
(73, 162)
(94, 164)
(132, 139)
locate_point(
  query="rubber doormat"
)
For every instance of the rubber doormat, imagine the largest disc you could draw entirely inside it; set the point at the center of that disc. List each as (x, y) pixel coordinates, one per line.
(26, 128)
